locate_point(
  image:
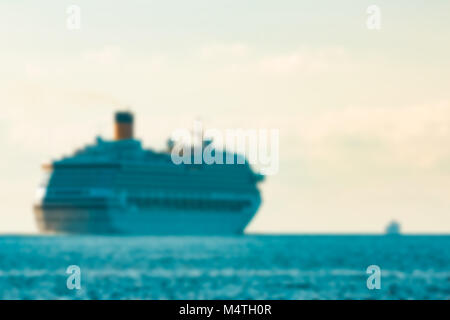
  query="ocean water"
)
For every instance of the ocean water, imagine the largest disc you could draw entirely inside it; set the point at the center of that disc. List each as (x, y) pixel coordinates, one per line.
(243, 267)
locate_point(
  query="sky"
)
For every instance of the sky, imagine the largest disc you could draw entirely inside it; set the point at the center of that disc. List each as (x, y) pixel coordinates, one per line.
(363, 115)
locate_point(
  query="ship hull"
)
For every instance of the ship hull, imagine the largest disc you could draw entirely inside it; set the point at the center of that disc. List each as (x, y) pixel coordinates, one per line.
(141, 222)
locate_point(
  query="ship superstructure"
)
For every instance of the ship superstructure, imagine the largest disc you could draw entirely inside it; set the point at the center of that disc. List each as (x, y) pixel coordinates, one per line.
(119, 187)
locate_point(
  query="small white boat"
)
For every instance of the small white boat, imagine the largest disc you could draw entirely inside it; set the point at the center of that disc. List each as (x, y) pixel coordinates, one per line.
(393, 228)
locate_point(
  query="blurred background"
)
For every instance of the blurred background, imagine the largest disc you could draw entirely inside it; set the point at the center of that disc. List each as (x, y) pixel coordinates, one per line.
(364, 115)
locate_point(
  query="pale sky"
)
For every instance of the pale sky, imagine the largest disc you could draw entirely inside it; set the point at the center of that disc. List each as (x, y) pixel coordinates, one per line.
(363, 115)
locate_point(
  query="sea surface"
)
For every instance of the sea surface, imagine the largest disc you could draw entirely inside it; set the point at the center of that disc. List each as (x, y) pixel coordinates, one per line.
(242, 267)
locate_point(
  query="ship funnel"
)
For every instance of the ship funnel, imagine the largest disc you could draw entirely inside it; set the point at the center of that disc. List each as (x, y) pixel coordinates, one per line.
(123, 128)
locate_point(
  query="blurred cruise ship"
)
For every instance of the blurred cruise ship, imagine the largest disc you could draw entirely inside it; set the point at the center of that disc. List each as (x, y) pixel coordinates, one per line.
(119, 187)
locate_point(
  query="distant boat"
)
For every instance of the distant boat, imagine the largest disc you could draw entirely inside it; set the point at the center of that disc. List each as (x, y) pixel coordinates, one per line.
(393, 228)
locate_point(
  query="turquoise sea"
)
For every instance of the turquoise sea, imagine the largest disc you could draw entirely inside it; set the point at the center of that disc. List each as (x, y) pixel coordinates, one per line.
(242, 267)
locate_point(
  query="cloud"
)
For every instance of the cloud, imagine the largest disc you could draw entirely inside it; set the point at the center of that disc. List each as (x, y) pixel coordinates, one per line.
(224, 51)
(302, 60)
(413, 137)
(107, 55)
